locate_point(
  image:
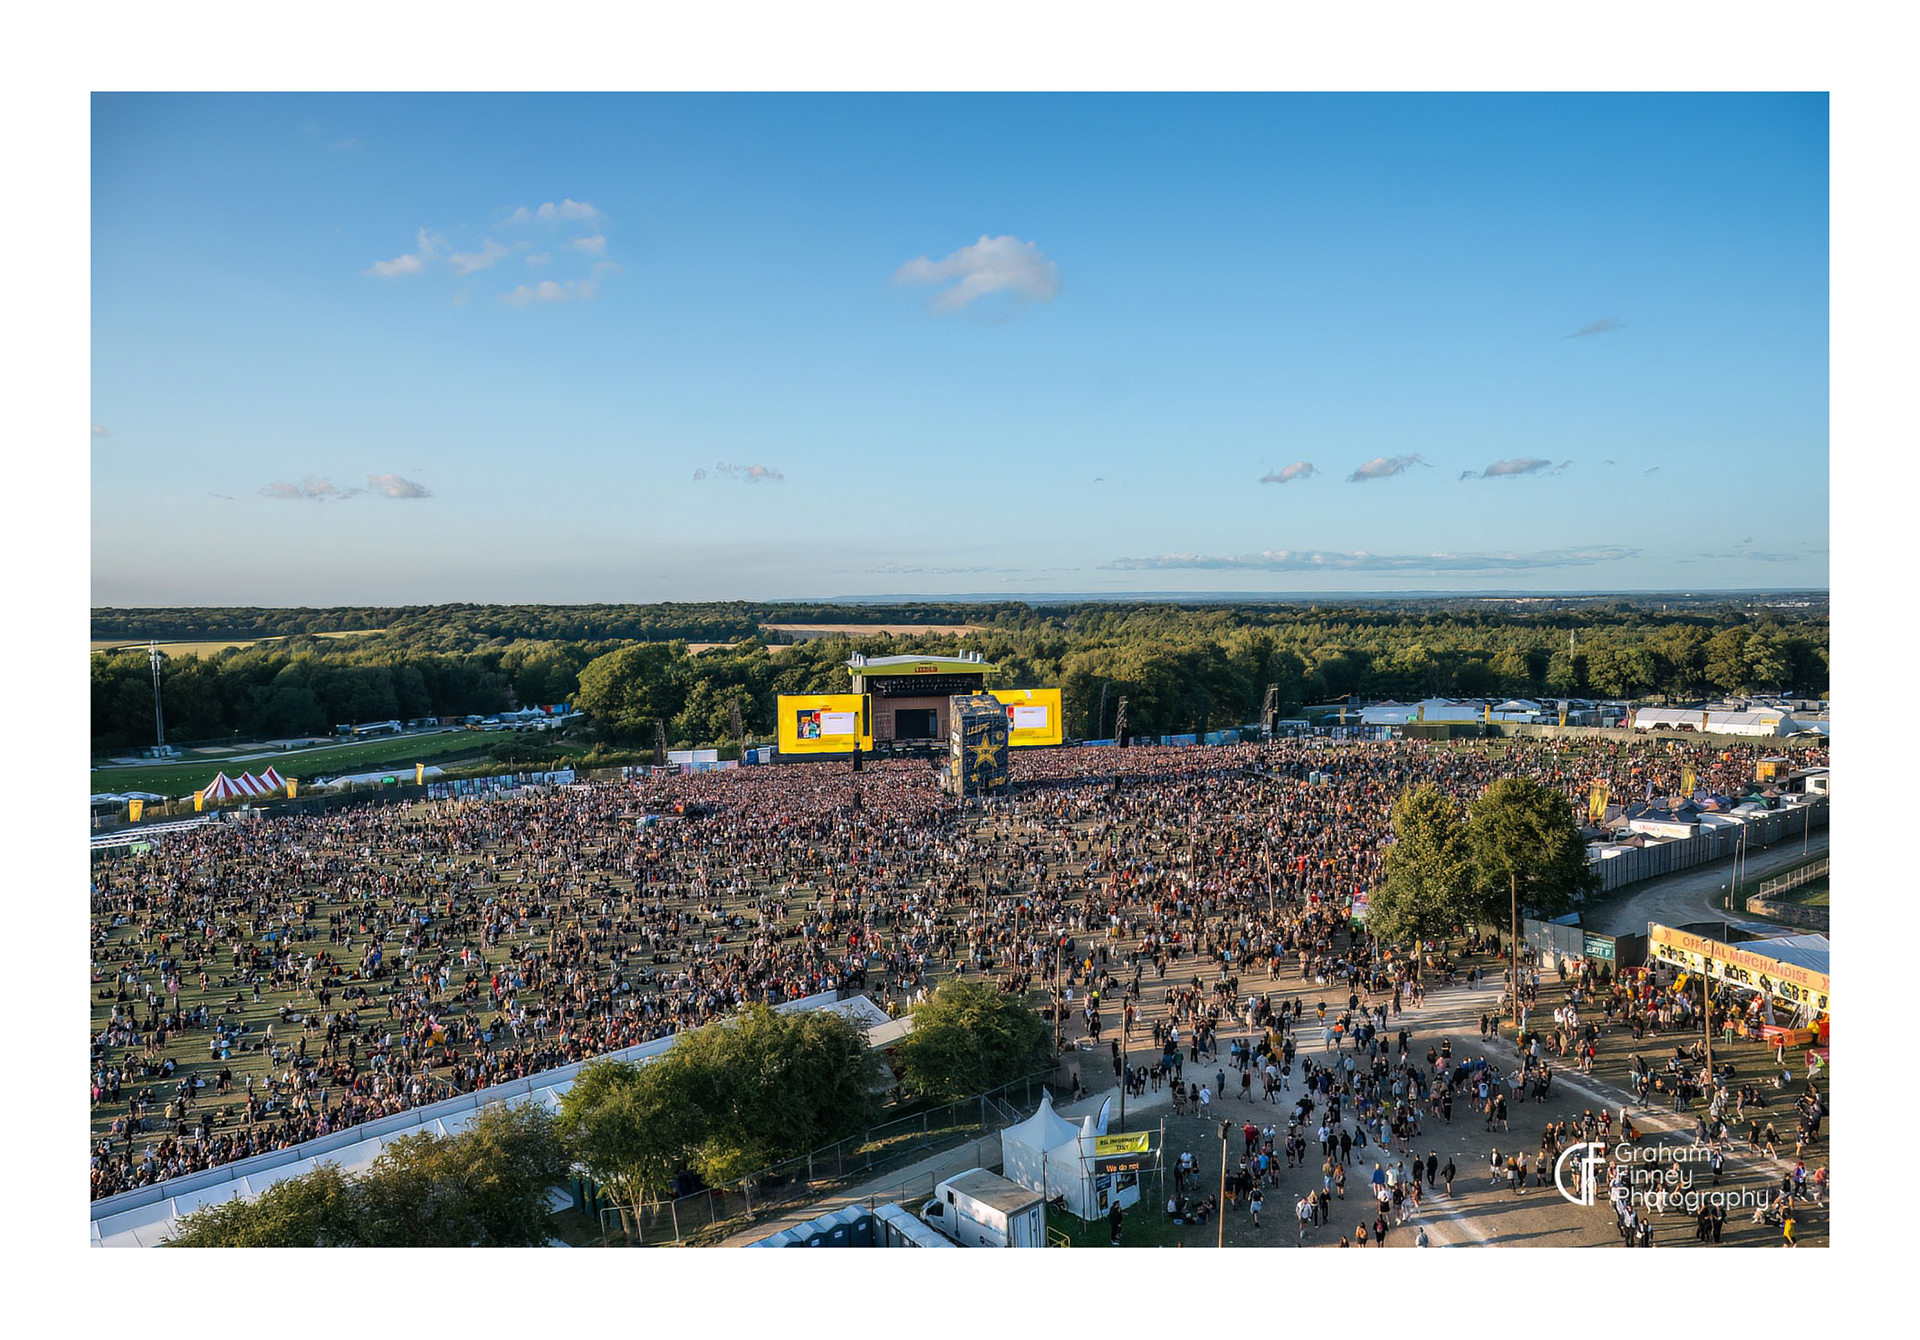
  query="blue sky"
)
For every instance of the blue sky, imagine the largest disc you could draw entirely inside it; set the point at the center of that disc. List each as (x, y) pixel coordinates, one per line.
(580, 348)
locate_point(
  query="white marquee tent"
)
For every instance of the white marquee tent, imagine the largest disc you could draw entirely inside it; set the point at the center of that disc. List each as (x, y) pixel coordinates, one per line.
(1049, 1154)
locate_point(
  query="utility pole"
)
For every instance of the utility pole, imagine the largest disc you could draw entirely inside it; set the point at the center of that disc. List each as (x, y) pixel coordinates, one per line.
(159, 720)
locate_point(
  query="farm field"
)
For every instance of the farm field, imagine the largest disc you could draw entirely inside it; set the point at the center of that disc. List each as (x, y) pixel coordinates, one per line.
(188, 775)
(813, 630)
(216, 645)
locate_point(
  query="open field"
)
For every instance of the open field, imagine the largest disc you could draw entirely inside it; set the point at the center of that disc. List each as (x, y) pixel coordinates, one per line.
(186, 776)
(209, 648)
(804, 631)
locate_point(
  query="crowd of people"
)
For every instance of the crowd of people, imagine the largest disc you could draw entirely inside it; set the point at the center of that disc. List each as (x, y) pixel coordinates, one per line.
(257, 984)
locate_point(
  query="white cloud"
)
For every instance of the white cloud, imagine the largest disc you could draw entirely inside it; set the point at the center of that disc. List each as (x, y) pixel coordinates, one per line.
(409, 264)
(572, 290)
(1298, 470)
(594, 246)
(308, 490)
(992, 265)
(98, 431)
(1289, 560)
(751, 474)
(1384, 467)
(566, 209)
(540, 258)
(466, 262)
(393, 486)
(1511, 469)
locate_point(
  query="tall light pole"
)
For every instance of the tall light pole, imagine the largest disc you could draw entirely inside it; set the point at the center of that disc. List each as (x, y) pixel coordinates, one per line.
(159, 720)
(1220, 1206)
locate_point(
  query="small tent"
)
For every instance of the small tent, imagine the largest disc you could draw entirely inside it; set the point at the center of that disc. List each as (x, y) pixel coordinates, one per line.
(1049, 1154)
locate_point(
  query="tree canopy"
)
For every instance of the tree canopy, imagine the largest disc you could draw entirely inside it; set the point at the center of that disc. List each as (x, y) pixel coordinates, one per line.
(483, 1187)
(1526, 849)
(725, 1101)
(970, 1038)
(1428, 876)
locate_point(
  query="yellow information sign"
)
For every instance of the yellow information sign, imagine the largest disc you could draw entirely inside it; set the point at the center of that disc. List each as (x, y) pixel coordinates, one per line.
(1135, 1143)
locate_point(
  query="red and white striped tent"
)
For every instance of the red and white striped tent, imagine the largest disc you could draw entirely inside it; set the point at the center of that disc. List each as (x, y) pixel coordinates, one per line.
(223, 787)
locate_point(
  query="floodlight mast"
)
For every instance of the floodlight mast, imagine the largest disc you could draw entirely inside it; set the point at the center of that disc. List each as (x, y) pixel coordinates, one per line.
(159, 720)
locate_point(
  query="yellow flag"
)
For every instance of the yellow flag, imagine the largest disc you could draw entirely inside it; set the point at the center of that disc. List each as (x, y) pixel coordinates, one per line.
(293, 787)
(419, 773)
(1687, 780)
(1486, 712)
(135, 808)
(199, 801)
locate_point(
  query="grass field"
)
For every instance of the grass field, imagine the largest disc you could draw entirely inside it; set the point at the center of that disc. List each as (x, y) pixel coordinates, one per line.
(208, 648)
(187, 776)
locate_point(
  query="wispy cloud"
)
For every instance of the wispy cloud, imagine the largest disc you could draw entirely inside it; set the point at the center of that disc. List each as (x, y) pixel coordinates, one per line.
(427, 245)
(352, 144)
(699, 474)
(540, 258)
(393, 486)
(593, 246)
(1600, 327)
(1287, 474)
(1513, 469)
(409, 264)
(566, 209)
(98, 431)
(228, 497)
(308, 490)
(466, 262)
(1652, 471)
(1290, 560)
(750, 474)
(922, 569)
(547, 290)
(1384, 467)
(992, 265)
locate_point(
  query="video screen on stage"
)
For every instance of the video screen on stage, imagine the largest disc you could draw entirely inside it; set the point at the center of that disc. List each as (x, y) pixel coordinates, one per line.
(1033, 716)
(829, 723)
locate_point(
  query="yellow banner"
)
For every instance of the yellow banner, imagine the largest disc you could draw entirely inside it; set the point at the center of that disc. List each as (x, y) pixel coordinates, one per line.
(1687, 780)
(419, 773)
(199, 801)
(1728, 963)
(1597, 802)
(293, 787)
(1136, 1143)
(135, 808)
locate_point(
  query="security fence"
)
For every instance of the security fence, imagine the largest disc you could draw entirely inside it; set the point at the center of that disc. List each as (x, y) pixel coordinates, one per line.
(1664, 858)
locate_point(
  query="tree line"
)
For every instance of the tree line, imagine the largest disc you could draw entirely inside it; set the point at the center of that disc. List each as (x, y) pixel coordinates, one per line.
(1181, 667)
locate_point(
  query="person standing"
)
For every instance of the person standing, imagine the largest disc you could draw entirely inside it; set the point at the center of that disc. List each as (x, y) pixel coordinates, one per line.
(1254, 1202)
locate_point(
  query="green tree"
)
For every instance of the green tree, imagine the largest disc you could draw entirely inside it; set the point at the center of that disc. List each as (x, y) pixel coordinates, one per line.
(1528, 855)
(316, 1210)
(1427, 883)
(970, 1038)
(485, 1186)
(630, 1126)
(626, 691)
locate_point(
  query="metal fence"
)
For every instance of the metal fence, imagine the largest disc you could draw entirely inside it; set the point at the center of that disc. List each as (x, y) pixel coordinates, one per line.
(1664, 858)
(1804, 875)
(833, 1169)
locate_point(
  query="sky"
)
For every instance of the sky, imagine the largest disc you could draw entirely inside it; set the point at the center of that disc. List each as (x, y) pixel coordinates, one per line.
(577, 348)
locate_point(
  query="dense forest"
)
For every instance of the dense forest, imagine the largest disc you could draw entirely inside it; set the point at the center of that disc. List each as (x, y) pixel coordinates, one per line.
(1181, 666)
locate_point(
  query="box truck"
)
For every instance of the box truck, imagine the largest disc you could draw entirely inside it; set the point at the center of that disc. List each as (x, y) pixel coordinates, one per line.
(978, 1208)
